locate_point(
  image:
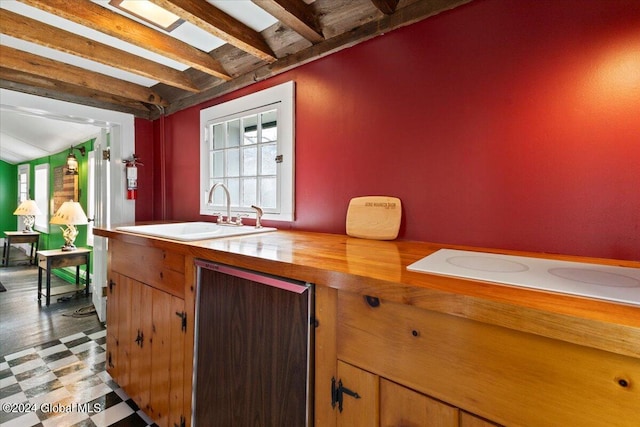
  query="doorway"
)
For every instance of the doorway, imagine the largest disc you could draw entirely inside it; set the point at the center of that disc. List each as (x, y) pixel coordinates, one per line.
(110, 205)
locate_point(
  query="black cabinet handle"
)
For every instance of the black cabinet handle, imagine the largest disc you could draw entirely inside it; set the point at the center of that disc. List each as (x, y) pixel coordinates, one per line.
(183, 316)
(337, 394)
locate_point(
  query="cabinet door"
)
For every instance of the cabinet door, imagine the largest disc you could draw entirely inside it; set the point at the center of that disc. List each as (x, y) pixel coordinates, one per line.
(140, 344)
(146, 340)
(177, 411)
(469, 420)
(400, 406)
(362, 411)
(160, 333)
(112, 330)
(119, 329)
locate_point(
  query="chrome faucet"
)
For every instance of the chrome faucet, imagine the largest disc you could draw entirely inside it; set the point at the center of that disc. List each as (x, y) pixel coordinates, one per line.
(258, 215)
(228, 220)
(226, 192)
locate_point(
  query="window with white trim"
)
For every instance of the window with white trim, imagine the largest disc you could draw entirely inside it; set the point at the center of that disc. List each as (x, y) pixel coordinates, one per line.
(23, 183)
(23, 190)
(248, 145)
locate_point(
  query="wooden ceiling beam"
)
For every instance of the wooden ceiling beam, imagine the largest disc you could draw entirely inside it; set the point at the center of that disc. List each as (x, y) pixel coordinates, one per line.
(296, 15)
(346, 24)
(408, 15)
(96, 17)
(41, 86)
(21, 27)
(216, 22)
(388, 7)
(29, 63)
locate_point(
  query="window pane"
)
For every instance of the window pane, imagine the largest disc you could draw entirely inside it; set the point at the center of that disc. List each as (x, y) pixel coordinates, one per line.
(248, 191)
(233, 162)
(217, 164)
(268, 193)
(23, 188)
(218, 137)
(234, 190)
(250, 126)
(23, 182)
(268, 159)
(249, 161)
(269, 124)
(233, 137)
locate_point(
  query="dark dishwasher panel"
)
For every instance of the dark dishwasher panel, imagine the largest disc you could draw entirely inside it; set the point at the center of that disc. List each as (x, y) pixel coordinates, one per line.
(253, 358)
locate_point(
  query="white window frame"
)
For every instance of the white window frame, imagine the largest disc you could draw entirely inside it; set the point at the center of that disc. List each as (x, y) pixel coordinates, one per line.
(23, 176)
(23, 192)
(281, 98)
(41, 196)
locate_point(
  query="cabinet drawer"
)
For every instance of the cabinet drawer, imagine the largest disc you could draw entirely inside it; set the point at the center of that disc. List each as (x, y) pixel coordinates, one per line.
(161, 269)
(504, 375)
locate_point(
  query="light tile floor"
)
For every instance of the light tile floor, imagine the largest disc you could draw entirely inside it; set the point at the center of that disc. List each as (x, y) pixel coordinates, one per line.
(64, 383)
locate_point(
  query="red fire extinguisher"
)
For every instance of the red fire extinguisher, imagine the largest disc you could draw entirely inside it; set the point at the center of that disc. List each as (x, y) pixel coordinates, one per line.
(132, 176)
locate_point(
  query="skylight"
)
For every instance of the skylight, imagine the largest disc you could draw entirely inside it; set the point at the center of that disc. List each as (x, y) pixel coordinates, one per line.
(149, 12)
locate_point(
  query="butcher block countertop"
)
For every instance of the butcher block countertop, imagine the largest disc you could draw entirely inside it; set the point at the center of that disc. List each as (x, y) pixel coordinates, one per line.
(379, 269)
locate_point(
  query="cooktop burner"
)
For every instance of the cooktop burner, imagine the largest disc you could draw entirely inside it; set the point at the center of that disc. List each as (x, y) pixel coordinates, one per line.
(481, 263)
(621, 284)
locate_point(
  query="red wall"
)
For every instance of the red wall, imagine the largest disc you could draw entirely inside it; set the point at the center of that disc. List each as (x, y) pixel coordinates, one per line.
(145, 143)
(498, 124)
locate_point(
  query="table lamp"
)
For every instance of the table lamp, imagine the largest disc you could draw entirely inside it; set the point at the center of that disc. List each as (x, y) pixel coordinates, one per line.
(69, 214)
(28, 210)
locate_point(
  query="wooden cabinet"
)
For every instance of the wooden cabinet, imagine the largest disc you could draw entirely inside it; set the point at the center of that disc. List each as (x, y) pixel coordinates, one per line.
(357, 397)
(499, 374)
(491, 354)
(374, 401)
(400, 406)
(139, 342)
(146, 332)
(118, 328)
(469, 420)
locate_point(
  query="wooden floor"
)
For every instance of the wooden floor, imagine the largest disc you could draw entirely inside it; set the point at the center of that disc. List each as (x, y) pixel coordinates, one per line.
(23, 321)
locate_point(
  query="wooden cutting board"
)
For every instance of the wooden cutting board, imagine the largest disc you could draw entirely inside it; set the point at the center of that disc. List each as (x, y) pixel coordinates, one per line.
(374, 217)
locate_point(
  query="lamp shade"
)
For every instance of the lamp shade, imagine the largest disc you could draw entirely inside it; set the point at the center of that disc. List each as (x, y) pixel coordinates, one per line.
(70, 213)
(28, 207)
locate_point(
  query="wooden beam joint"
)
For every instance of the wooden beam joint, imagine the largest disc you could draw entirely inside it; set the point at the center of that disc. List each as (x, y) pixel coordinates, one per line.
(388, 7)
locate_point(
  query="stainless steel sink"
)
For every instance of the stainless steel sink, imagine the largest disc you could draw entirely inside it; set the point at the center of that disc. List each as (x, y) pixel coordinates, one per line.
(189, 231)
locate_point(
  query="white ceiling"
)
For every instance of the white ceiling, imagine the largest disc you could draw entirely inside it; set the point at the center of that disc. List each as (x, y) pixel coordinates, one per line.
(27, 134)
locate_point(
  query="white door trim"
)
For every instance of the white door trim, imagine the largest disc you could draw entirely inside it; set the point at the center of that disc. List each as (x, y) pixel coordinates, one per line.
(122, 145)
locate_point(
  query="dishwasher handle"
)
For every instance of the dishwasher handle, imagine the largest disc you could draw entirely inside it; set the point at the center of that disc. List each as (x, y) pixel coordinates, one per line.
(297, 287)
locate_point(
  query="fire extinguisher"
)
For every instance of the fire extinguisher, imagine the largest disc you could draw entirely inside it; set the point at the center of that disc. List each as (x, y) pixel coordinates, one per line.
(132, 176)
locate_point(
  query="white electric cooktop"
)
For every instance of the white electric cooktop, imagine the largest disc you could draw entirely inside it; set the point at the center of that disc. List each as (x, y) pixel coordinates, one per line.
(620, 284)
